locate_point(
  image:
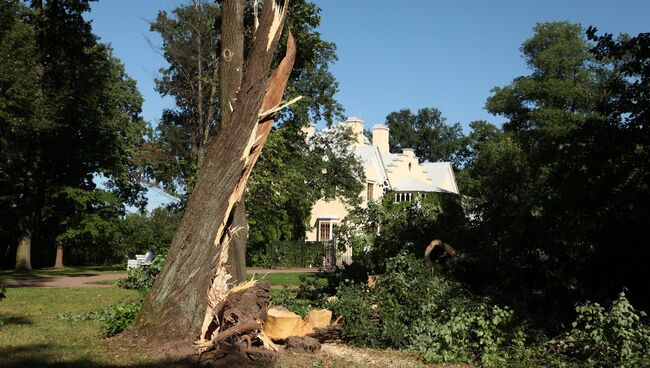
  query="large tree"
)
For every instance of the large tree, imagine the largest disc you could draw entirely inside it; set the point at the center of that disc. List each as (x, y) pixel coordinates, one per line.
(558, 190)
(196, 276)
(71, 113)
(192, 46)
(428, 133)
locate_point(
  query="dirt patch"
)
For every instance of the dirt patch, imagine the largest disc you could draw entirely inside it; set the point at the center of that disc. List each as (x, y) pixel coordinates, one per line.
(372, 357)
(302, 344)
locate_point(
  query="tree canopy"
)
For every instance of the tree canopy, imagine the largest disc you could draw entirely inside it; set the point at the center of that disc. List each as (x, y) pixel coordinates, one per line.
(427, 133)
(69, 113)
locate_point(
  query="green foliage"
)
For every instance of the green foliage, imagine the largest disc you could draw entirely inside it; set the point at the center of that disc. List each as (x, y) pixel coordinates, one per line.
(115, 318)
(69, 113)
(291, 175)
(137, 232)
(119, 317)
(428, 134)
(564, 179)
(3, 293)
(417, 308)
(409, 226)
(142, 278)
(618, 337)
(190, 35)
(355, 303)
(287, 298)
(285, 254)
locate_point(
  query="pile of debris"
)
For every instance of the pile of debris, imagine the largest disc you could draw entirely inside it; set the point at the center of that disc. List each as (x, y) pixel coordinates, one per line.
(245, 328)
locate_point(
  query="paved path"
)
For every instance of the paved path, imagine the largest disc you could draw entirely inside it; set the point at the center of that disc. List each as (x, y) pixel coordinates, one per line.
(73, 282)
(86, 281)
(264, 271)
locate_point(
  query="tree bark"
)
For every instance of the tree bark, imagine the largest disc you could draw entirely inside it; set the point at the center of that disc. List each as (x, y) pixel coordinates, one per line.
(231, 60)
(195, 275)
(23, 253)
(58, 261)
(231, 64)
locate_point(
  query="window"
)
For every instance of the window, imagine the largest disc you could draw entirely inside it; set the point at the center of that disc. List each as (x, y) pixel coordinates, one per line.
(324, 231)
(403, 197)
(369, 193)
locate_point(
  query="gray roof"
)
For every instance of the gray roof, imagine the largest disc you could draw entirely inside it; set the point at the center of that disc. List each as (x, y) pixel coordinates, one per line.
(366, 153)
(410, 184)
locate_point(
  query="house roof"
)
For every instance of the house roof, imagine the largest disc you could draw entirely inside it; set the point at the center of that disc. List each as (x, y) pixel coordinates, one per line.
(410, 184)
(430, 177)
(442, 175)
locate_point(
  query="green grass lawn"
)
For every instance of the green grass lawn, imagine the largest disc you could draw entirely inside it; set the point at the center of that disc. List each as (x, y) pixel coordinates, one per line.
(282, 279)
(31, 335)
(45, 273)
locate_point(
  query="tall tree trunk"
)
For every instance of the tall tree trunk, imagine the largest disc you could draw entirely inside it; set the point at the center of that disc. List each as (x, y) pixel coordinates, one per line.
(196, 273)
(58, 261)
(26, 224)
(24, 251)
(231, 63)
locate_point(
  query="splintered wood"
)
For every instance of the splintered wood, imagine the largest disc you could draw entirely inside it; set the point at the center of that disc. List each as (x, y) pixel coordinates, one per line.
(245, 326)
(270, 29)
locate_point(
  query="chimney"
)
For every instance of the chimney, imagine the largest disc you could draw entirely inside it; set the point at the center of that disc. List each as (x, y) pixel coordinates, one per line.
(380, 137)
(356, 125)
(309, 130)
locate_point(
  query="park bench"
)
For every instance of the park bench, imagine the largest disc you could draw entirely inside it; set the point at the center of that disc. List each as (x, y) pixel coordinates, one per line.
(141, 260)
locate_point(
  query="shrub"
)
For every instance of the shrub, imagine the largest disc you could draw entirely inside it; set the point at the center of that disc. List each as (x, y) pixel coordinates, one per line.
(115, 319)
(608, 338)
(288, 299)
(142, 278)
(118, 317)
(356, 304)
(2, 293)
(405, 226)
(417, 308)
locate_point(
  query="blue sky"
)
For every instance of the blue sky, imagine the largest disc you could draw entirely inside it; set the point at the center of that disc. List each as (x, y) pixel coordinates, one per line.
(394, 54)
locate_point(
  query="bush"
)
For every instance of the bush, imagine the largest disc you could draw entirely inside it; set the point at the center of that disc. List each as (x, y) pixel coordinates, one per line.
(288, 299)
(118, 317)
(608, 338)
(417, 308)
(142, 278)
(405, 226)
(2, 293)
(284, 254)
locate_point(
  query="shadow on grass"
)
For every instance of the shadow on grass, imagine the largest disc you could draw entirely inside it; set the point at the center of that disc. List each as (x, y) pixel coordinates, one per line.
(37, 356)
(15, 320)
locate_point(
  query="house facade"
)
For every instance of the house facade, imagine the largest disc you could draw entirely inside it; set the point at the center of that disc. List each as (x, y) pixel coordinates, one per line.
(402, 173)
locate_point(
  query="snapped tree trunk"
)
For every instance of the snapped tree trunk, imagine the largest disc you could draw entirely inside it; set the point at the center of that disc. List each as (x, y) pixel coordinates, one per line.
(197, 274)
(58, 261)
(231, 63)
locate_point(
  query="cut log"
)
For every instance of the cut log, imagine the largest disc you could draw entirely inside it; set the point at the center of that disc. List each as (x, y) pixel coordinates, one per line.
(319, 318)
(328, 334)
(281, 323)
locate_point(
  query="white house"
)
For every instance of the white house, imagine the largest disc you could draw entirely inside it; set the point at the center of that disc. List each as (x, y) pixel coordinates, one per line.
(399, 172)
